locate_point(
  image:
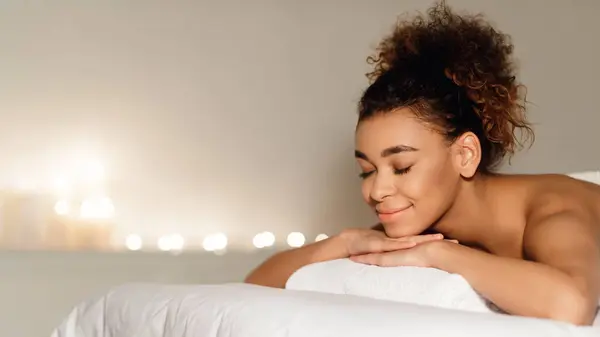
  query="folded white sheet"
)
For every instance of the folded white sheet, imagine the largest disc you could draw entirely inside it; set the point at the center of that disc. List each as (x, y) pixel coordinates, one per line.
(241, 310)
(425, 286)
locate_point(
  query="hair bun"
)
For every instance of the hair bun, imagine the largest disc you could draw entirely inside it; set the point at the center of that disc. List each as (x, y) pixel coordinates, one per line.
(473, 55)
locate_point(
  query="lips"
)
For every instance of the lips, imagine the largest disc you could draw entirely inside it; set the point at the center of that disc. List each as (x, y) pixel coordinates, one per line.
(391, 211)
(389, 215)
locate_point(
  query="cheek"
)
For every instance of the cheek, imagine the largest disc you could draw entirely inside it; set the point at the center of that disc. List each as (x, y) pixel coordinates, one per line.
(365, 187)
(431, 185)
(421, 183)
(417, 184)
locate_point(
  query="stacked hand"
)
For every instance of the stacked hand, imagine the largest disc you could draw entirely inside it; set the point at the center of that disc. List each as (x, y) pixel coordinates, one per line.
(374, 247)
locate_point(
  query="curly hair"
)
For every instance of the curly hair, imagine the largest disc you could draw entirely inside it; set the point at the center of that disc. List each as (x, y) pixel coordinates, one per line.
(456, 74)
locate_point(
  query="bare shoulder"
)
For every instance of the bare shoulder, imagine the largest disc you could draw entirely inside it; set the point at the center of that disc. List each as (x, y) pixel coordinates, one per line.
(563, 229)
(560, 203)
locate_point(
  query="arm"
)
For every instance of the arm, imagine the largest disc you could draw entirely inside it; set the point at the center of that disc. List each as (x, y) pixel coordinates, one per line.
(562, 284)
(277, 270)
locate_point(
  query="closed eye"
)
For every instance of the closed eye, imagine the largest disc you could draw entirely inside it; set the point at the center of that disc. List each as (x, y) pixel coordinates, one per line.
(403, 170)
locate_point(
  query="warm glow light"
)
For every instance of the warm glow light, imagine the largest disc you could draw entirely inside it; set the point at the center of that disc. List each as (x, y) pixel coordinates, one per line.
(296, 239)
(61, 185)
(215, 242)
(321, 237)
(264, 239)
(93, 171)
(62, 207)
(173, 242)
(97, 208)
(133, 242)
(257, 241)
(81, 171)
(177, 242)
(164, 243)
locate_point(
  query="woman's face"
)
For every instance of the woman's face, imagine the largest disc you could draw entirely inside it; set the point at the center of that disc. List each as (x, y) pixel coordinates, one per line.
(409, 178)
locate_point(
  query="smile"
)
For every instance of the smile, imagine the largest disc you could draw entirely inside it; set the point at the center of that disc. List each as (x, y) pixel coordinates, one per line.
(389, 215)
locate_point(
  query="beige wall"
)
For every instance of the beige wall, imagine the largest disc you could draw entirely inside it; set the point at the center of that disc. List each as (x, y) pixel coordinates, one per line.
(233, 116)
(238, 117)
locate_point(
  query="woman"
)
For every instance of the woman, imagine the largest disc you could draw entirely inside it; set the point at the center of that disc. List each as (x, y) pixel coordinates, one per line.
(442, 111)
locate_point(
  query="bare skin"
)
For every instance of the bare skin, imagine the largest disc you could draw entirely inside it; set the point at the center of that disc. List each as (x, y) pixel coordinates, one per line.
(528, 243)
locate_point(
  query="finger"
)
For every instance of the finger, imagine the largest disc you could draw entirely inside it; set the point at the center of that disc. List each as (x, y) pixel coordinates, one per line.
(392, 244)
(453, 241)
(370, 259)
(423, 238)
(377, 259)
(409, 241)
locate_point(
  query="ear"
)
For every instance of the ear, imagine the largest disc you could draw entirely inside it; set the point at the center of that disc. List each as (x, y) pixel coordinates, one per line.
(467, 154)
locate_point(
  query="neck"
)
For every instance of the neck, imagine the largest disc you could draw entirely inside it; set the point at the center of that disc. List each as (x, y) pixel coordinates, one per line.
(470, 219)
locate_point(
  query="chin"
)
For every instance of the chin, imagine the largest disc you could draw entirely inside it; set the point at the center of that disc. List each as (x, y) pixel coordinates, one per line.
(399, 231)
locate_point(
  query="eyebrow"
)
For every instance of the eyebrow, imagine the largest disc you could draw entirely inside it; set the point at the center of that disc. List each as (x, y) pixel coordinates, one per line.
(388, 151)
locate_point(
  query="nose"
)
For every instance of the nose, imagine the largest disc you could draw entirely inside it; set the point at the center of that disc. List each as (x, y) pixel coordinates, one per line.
(383, 186)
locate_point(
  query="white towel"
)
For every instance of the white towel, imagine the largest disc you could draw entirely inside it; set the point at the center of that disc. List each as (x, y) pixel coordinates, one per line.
(589, 176)
(425, 286)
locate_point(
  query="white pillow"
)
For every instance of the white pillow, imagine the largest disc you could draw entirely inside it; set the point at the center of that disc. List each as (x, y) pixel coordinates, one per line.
(425, 286)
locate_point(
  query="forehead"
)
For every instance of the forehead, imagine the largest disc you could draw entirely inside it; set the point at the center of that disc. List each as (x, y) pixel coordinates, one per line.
(399, 127)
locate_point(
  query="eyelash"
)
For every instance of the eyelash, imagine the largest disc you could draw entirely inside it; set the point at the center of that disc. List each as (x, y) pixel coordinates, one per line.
(396, 171)
(403, 171)
(364, 175)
